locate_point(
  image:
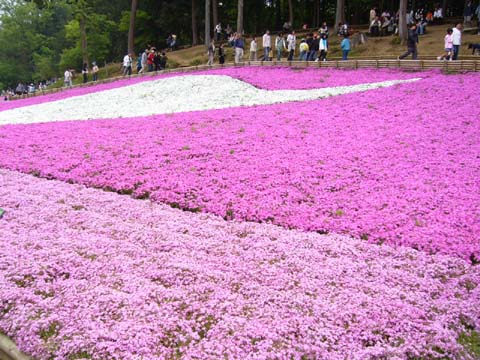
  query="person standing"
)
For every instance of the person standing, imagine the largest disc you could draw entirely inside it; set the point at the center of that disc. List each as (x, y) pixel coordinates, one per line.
(314, 49)
(67, 78)
(279, 46)
(95, 71)
(412, 42)
(218, 31)
(291, 44)
(239, 46)
(221, 54)
(253, 49)
(85, 73)
(303, 50)
(456, 40)
(468, 12)
(267, 44)
(144, 61)
(323, 47)
(151, 59)
(127, 65)
(346, 47)
(477, 12)
(211, 53)
(163, 61)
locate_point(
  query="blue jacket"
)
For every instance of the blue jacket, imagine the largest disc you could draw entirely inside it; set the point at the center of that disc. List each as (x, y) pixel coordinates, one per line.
(238, 43)
(345, 45)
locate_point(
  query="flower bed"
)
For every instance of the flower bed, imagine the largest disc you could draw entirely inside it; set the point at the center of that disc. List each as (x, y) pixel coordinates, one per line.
(91, 274)
(264, 78)
(396, 165)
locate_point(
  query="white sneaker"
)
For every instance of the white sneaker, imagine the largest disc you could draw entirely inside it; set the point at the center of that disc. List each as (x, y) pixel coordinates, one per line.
(439, 58)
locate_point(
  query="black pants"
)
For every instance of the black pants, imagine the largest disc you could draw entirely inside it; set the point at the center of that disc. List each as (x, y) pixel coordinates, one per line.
(290, 55)
(410, 50)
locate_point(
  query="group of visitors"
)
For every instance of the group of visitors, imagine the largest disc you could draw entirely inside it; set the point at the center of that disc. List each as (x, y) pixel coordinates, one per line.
(26, 88)
(148, 60)
(384, 23)
(68, 74)
(312, 48)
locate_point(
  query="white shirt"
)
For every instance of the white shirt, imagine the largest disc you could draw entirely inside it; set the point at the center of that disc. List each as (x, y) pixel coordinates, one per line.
(291, 41)
(127, 61)
(253, 46)
(267, 41)
(68, 75)
(457, 36)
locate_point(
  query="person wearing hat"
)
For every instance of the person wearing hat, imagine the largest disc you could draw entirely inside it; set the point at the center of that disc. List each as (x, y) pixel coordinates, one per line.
(94, 71)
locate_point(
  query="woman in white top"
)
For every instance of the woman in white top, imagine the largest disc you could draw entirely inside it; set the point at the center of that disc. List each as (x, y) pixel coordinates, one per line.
(253, 50)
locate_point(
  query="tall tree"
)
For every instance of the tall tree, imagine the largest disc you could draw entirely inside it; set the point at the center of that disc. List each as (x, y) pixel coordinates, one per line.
(402, 21)
(340, 13)
(290, 12)
(131, 29)
(194, 23)
(207, 22)
(240, 17)
(215, 12)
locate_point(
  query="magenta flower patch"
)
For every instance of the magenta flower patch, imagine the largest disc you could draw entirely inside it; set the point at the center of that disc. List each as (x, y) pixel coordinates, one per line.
(397, 165)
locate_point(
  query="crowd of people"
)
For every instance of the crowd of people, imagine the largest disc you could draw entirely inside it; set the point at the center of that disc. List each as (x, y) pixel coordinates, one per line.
(26, 88)
(314, 47)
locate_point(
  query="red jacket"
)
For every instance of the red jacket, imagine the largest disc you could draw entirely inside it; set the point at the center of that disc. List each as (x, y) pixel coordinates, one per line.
(150, 58)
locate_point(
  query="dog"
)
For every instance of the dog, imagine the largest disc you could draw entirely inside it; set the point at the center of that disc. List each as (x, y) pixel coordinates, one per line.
(475, 48)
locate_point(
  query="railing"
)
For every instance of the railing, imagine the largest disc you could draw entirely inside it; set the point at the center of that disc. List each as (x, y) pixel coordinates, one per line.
(408, 65)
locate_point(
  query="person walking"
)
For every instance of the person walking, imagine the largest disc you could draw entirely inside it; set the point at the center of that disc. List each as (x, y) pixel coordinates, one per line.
(412, 42)
(211, 53)
(239, 46)
(267, 44)
(477, 12)
(291, 44)
(279, 46)
(95, 71)
(447, 55)
(253, 49)
(456, 40)
(163, 61)
(127, 65)
(85, 73)
(346, 47)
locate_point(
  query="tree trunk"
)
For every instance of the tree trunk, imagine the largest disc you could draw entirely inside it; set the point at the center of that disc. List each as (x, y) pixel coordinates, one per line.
(83, 37)
(402, 21)
(215, 12)
(290, 12)
(194, 24)
(240, 17)
(207, 23)
(444, 8)
(131, 29)
(340, 14)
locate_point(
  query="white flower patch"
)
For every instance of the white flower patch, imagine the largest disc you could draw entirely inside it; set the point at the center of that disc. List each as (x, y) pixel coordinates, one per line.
(172, 95)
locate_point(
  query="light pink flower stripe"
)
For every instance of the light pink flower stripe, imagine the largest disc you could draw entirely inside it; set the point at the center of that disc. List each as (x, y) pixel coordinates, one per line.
(91, 274)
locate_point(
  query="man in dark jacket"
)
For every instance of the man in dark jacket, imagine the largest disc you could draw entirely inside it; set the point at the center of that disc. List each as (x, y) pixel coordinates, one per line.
(411, 43)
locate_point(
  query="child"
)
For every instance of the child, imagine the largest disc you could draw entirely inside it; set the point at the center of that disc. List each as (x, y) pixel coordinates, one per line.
(323, 46)
(346, 47)
(448, 46)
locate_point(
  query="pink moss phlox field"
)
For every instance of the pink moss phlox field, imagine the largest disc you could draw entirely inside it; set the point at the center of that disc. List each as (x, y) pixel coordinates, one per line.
(92, 274)
(266, 78)
(397, 165)
(282, 78)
